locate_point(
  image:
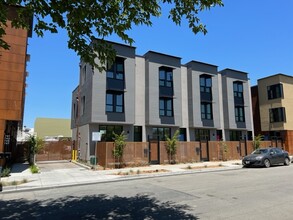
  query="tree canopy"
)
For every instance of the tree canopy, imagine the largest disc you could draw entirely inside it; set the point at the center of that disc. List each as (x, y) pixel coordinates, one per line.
(86, 20)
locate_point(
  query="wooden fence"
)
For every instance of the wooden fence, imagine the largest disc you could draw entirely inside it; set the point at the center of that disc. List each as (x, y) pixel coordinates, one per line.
(55, 150)
(138, 153)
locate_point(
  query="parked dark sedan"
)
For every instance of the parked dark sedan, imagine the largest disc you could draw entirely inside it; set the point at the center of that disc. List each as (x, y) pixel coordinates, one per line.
(265, 157)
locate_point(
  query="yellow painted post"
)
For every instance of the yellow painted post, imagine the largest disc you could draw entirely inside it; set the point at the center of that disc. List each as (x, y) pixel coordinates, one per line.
(74, 155)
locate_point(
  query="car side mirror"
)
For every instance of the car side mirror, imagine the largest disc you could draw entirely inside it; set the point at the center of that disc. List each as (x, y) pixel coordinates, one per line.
(271, 153)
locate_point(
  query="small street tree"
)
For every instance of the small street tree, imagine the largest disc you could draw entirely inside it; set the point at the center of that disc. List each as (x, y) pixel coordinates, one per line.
(35, 145)
(224, 149)
(171, 146)
(257, 141)
(119, 145)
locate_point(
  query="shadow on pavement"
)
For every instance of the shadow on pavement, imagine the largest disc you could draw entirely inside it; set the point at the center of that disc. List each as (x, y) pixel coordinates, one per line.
(94, 207)
(19, 167)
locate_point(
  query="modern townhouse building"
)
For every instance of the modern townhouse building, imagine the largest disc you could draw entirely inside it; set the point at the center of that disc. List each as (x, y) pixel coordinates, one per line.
(151, 96)
(237, 111)
(275, 102)
(163, 99)
(12, 84)
(204, 103)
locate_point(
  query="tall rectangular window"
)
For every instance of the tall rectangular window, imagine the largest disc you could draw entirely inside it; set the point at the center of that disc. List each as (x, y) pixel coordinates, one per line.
(206, 111)
(238, 89)
(83, 75)
(277, 115)
(115, 102)
(166, 77)
(83, 105)
(239, 114)
(206, 83)
(137, 133)
(275, 91)
(166, 107)
(116, 71)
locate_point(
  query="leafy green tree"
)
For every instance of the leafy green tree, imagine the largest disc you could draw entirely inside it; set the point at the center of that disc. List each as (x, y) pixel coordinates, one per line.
(119, 145)
(171, 145)
(86, 20)
(257, 141)
(35, 145)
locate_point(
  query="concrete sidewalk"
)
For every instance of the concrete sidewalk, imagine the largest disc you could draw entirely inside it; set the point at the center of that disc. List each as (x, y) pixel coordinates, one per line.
(21, 178)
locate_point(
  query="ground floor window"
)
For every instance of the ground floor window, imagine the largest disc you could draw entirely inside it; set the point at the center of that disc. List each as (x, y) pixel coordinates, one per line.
(160, 133)
(219, 135)
(108, 130)
(182, 136)
(137, 134)
(235, 135)
(202, 134)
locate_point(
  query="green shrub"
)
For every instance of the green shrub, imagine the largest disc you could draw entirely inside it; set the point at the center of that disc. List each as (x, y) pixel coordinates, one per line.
(5, 172)
(34, 169)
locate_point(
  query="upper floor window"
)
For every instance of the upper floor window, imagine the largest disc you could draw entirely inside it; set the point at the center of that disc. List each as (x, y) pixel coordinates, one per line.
(275, 91)
(83, 105)
(166, 77)
(206, 83)
(277, 115)
(166, 107)
(74, 111)
(238, 89)
(83, 74)
(206, 111)
(239, 114)
(116, 71)
(115, 102)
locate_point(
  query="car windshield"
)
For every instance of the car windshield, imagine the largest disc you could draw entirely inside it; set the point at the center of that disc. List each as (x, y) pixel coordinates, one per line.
(260, 151)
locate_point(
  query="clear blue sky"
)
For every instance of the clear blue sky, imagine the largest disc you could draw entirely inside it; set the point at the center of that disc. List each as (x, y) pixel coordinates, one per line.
(254, 36)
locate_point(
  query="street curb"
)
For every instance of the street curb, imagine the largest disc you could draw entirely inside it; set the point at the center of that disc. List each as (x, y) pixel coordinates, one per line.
(81, 165)
(125, 178)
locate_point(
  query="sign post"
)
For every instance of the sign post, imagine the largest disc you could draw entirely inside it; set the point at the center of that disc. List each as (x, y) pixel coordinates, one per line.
(96, 136)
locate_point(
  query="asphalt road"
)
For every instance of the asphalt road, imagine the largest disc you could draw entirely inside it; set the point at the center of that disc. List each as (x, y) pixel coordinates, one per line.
(254, 193)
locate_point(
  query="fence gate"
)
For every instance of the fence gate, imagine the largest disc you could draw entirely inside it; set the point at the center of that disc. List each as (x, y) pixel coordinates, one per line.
(242, 148)
(154, 151)
(204, 150)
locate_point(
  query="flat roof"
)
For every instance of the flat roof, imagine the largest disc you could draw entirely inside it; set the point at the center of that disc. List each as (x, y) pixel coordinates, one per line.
(233, 70)
(112, 42)
(195, 61)
(278, 74)
(162, 54)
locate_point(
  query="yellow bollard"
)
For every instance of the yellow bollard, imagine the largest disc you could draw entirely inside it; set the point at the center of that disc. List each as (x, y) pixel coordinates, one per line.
(74, 155)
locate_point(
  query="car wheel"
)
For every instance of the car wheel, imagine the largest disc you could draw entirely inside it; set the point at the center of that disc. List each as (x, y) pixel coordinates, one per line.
(287, 161)
(267, 163)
